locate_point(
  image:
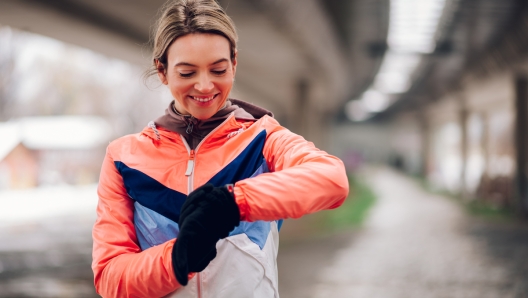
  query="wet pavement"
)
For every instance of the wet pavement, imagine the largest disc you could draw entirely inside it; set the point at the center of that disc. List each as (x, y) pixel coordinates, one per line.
(45, 242)
(416, 244)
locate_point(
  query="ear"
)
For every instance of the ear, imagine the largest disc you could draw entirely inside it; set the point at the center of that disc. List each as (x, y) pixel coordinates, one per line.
(162, 73)
(234, 62)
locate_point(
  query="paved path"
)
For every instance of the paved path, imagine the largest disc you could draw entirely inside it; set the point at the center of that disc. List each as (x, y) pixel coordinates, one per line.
(45, 242)
(415, 244)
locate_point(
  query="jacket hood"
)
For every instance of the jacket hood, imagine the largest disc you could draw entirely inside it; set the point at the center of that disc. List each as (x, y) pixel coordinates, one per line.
(195, 130)
(255, 111)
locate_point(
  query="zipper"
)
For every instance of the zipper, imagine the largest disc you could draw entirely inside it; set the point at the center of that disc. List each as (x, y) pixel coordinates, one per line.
(199, 284)
(189, 172)
(190, 164)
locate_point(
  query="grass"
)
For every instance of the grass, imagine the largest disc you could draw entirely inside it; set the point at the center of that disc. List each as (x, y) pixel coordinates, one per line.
(350, 214)
(487, 210)
(353, 211)
(477, 207)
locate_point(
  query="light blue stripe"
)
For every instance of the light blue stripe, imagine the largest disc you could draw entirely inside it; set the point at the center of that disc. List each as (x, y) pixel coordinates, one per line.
(153, 228)
(256, 231)
(262, 169)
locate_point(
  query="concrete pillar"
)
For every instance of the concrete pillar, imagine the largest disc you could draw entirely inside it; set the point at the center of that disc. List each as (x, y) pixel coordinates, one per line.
(425, 135)
(521, 143)
(464, 146)
(302, 108)
(306, 119)
(484, 142)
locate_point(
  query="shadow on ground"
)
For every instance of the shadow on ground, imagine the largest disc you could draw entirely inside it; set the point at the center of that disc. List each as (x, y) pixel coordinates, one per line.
(304, 252)
(50, 258)
(506, 243)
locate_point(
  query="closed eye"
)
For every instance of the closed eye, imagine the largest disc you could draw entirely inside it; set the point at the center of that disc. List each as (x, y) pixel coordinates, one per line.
(186, 75)
(219, 72)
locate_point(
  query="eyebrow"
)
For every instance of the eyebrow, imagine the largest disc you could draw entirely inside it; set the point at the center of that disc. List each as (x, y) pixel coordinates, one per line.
(189, 64)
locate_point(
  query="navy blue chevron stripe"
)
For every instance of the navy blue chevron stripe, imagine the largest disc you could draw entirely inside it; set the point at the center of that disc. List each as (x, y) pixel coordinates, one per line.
(244, 165)
(150, 193)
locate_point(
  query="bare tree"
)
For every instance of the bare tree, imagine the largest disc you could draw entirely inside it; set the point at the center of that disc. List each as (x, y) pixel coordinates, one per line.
(7, 65)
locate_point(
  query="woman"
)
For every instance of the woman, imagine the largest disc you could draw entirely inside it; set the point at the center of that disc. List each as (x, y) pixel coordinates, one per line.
(192, 205)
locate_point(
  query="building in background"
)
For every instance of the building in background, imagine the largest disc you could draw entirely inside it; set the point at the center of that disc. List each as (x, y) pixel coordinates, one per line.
(38, 151)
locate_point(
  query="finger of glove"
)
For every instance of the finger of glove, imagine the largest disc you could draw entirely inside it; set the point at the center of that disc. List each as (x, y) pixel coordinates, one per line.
(193, 228)
(181, 266)
(194, 200)
(226, 213)
(197, 194)
(217, 214)
(203, 260)
(207, 221)
(199, 244)
(212, 221)
(187, 209)
(229, 205)
(200, 251)
(206, 210)
(191, 239)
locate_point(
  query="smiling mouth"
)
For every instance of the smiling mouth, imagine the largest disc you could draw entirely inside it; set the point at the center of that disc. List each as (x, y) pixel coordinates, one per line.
(204, 99)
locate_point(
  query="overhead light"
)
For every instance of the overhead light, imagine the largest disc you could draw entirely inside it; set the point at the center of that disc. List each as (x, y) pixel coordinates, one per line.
(356, 111)
(412, 28)
(412, 25)
(395, 72)
(375, 101)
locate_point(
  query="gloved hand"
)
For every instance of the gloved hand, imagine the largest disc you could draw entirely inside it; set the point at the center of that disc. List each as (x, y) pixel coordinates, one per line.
(208, 214)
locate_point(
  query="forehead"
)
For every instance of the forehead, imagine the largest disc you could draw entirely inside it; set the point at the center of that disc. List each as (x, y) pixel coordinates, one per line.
(198, 49)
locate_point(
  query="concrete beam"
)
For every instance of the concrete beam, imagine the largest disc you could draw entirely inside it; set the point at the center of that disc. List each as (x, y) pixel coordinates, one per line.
(75, 25)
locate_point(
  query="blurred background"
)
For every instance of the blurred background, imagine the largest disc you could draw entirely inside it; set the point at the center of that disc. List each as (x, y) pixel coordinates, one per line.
(425, 101)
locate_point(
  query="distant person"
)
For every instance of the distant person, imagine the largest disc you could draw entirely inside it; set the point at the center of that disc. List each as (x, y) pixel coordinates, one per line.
(191, 206)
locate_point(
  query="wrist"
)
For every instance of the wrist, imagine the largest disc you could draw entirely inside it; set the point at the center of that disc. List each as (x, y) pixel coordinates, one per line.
(231, 189)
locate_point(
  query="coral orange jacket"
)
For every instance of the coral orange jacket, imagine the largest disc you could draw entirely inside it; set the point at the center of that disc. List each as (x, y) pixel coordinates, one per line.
(146, 177)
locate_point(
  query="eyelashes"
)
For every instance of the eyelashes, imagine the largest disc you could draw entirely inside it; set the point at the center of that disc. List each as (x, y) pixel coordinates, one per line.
(186, 75)
(215, 72)
(219, 72)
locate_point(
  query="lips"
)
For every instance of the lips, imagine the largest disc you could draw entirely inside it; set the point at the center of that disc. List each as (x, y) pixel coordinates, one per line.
(204, 98)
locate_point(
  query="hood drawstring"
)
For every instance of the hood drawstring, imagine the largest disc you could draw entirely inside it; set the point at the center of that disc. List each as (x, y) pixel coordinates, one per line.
(152, 125)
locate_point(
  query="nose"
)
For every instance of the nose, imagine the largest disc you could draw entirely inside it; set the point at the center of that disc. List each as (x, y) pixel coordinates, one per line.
(204, 84)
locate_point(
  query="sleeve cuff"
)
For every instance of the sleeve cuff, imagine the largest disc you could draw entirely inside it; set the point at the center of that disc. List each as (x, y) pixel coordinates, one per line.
(240, 199)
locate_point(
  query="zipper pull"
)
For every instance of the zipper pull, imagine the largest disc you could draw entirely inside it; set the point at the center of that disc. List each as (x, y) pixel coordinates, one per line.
(190, 164)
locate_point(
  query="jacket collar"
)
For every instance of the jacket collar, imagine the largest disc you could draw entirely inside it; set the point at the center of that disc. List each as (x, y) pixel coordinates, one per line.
(195, 130)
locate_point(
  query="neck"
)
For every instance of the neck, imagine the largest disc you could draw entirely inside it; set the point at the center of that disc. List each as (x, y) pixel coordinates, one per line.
(175, 110)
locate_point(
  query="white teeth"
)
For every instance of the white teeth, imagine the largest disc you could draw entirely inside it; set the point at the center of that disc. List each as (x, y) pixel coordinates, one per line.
(203, 99)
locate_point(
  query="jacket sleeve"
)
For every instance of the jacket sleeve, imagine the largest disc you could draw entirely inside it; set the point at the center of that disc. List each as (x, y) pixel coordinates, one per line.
(302, 180)
(120, 268)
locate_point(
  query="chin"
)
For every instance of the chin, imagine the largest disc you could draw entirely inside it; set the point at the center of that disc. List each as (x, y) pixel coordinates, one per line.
(203, 115)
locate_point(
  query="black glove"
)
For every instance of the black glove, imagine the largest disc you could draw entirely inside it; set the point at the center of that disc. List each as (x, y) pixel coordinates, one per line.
(193, 250)
(216, 208)
(208, 214)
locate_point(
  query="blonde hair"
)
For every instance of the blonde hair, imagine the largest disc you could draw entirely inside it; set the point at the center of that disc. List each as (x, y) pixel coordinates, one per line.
(182, 17)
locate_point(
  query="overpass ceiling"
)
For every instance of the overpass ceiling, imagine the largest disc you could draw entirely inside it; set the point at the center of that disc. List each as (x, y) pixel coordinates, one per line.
(475, 37)
(335, 45)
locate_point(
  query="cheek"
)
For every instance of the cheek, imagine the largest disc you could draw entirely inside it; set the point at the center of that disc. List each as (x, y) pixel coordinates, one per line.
(226, 83)
(179, 87)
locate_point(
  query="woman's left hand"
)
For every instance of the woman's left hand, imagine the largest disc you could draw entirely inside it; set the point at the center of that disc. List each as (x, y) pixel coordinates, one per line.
(208, 214)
